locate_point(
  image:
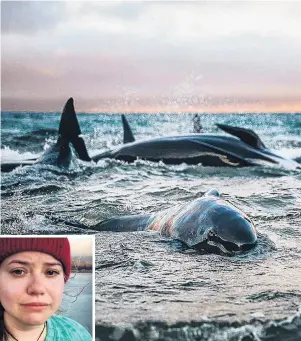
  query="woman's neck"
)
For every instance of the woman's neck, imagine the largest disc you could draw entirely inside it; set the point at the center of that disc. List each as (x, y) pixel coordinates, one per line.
(22, 331)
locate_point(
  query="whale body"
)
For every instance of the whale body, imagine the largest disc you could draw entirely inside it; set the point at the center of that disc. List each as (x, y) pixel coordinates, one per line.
(207, 223)
(60, 154)
(245, 149)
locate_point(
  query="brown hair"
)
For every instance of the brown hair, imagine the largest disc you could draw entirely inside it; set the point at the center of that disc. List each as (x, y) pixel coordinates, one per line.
(3, 335)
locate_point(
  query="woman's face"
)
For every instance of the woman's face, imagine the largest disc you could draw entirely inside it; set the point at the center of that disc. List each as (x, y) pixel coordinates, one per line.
(31, 287)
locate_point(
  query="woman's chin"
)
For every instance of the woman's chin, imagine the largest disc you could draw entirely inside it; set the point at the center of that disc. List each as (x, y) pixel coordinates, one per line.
(35, 319)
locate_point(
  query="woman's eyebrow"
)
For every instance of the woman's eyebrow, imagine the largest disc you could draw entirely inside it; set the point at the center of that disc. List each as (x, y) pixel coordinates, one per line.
(53, 263)
(19, 262)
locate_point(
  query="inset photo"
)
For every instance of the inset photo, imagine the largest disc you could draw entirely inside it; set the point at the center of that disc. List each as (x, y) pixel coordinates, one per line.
(47, 288)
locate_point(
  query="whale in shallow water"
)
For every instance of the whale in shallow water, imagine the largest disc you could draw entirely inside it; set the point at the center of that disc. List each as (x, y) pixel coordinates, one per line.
(245, 149)
(60, 154)
(208, 223)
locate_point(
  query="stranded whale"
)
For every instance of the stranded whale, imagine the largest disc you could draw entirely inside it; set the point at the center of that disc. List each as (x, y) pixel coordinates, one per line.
(60, 154)
(245, 149)
(208, 223)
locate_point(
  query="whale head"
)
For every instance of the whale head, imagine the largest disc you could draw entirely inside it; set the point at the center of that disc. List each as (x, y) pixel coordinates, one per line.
(231, 231)
(224, 228)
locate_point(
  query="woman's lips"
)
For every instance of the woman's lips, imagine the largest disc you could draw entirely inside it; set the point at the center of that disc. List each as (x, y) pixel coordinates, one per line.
(35, 306)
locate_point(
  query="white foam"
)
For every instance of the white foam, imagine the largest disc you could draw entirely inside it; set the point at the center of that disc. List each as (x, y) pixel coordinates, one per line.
(8, 154)
(289, 153)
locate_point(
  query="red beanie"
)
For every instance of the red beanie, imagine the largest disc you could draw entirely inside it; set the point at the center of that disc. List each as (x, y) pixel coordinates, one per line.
(58, 247)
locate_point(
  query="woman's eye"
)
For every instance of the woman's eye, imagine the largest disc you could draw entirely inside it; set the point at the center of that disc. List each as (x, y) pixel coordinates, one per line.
(18, 272)
(52, 273)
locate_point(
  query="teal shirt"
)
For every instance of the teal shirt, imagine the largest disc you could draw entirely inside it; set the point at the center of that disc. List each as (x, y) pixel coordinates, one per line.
(61, 328)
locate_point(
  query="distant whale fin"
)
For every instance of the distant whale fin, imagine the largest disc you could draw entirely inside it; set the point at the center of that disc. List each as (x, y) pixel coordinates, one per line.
(226, 156)
(81, 149)
(248, 136)
(69, 130)
(212, 192)
(127, 131)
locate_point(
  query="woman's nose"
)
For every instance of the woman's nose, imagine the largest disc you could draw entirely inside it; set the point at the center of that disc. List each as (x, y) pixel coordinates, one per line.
(36, 285)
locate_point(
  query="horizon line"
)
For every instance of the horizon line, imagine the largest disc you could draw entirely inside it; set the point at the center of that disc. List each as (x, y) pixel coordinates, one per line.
(154, 112)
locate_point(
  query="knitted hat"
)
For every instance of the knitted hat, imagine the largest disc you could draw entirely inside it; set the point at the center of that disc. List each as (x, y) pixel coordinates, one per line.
(58, 247)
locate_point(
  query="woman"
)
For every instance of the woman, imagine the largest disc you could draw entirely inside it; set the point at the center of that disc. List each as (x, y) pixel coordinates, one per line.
(33, 273)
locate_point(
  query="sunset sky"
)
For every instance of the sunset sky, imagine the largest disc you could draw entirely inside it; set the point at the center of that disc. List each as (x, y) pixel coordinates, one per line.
(151, 56)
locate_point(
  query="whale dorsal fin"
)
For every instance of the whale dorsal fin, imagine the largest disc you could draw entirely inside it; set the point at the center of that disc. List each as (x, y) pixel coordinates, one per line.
(69, 130)
(69, 127)
(127, 131)
(248, 136)
(212, 192)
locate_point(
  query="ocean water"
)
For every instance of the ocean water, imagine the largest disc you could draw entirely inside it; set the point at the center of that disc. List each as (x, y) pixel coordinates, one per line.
(149, 288)
(77, 301)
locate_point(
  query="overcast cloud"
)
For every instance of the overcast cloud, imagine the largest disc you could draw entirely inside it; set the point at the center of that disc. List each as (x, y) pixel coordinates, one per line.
(152, 56)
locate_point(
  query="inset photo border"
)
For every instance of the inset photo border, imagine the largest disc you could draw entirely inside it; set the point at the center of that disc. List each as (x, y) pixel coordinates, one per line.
(34, 278)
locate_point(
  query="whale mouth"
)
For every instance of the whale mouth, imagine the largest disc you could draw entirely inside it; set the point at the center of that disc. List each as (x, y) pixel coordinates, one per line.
(214, 239)
(215, 244)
